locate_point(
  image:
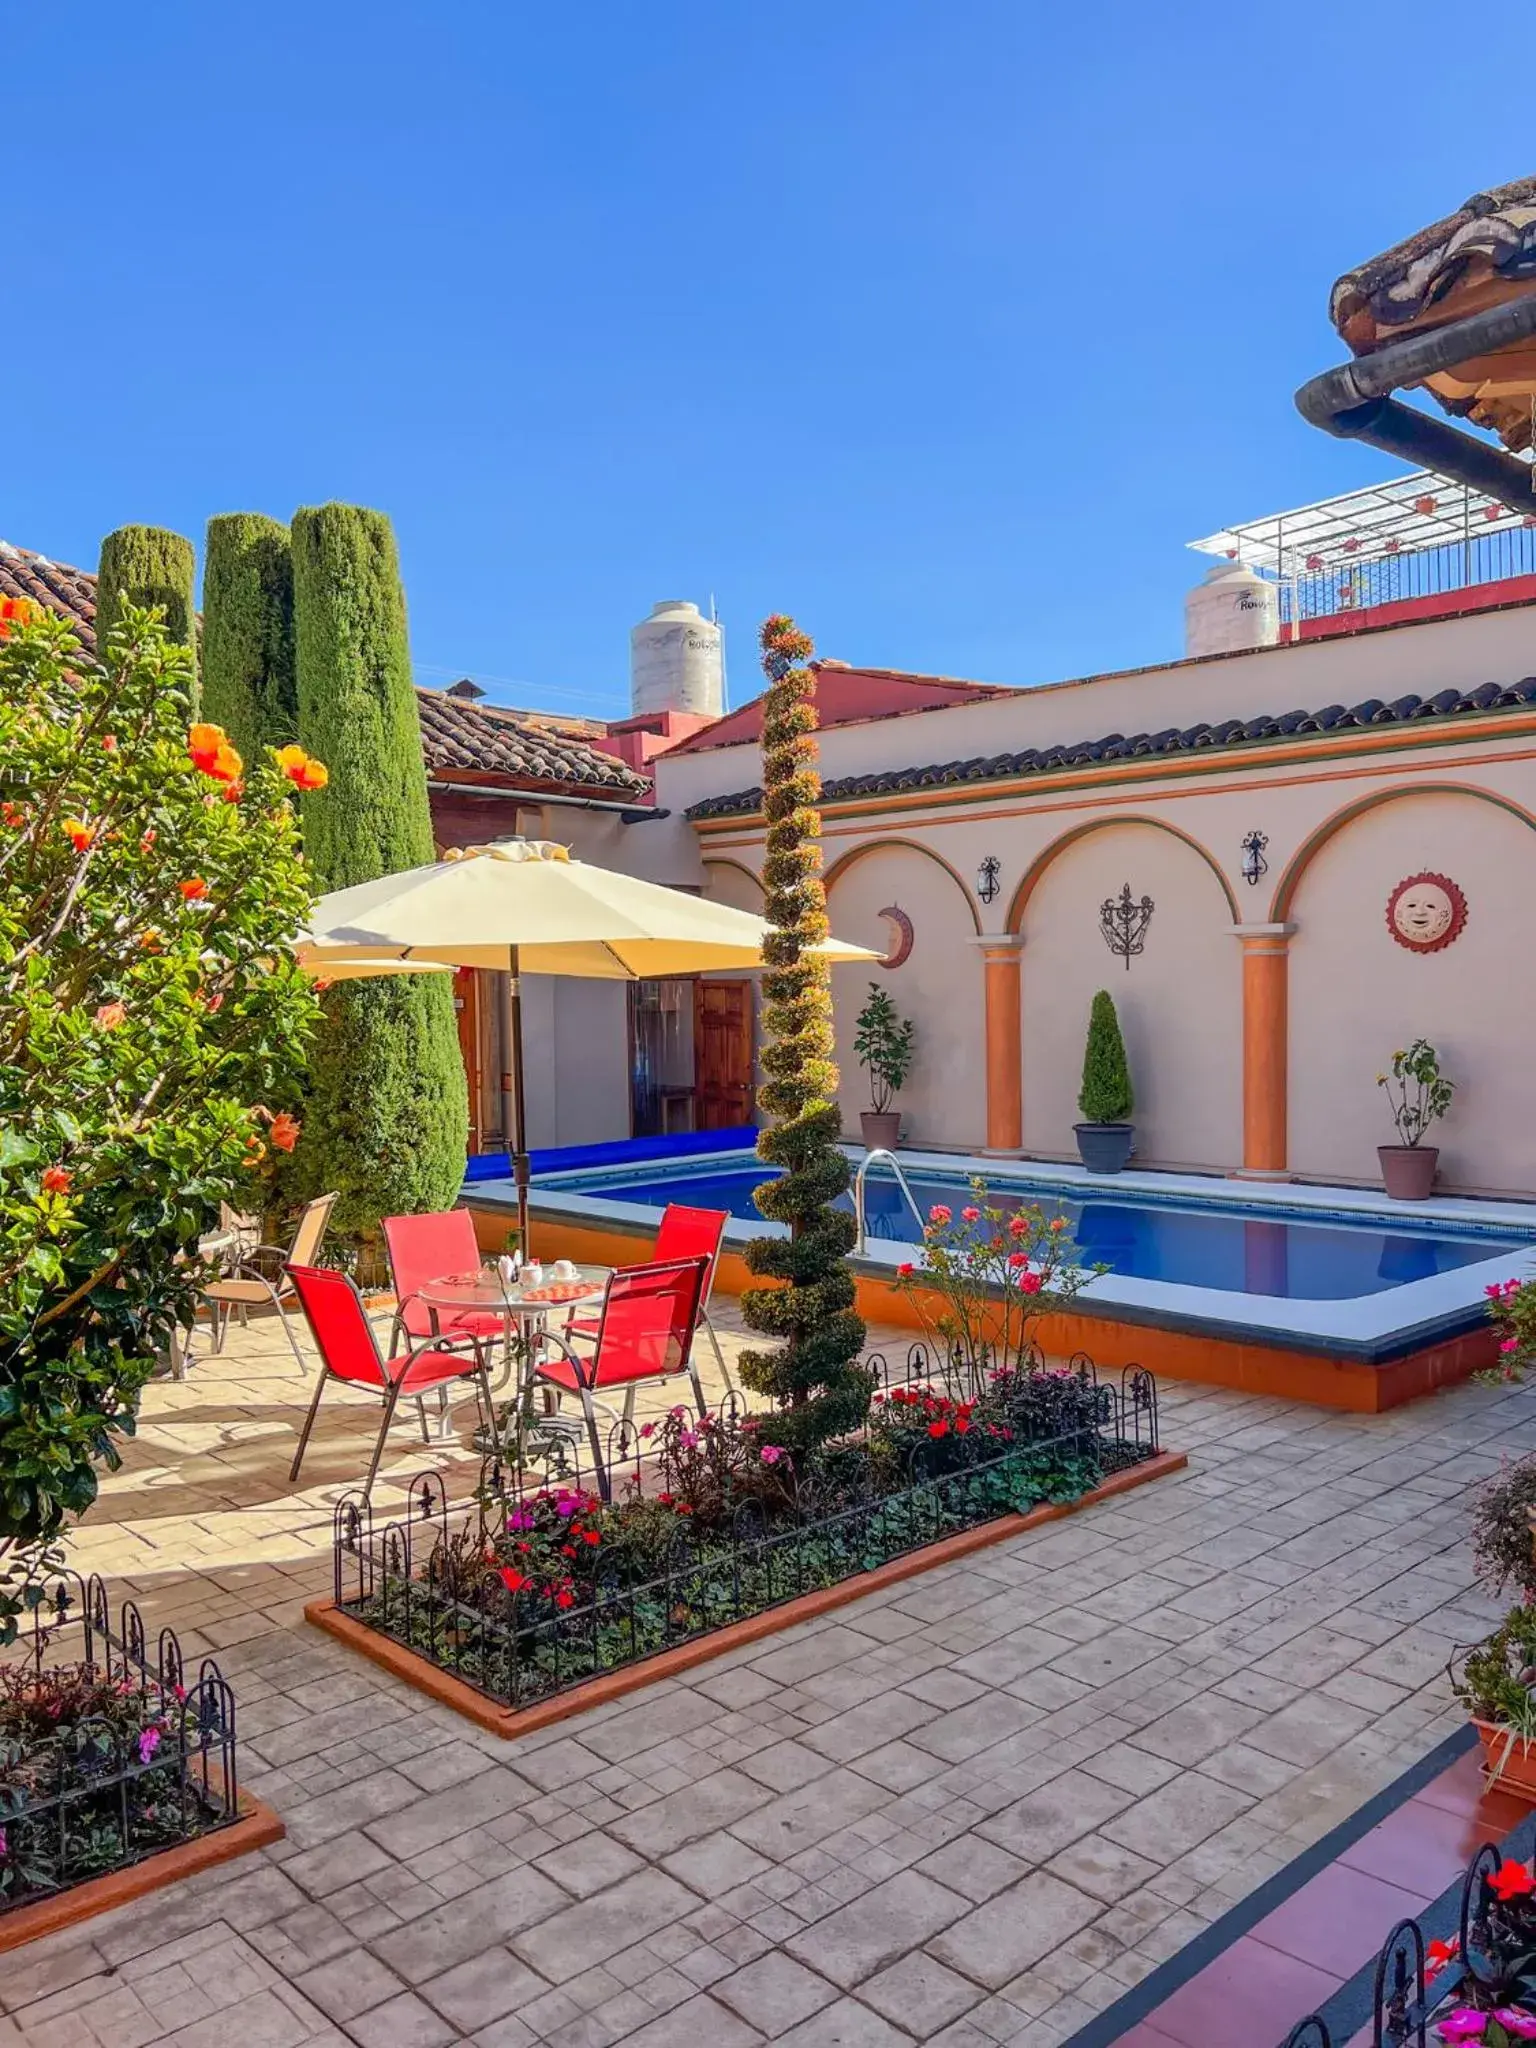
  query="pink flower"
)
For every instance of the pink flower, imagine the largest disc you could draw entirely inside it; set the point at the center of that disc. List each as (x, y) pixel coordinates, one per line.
(689, 1440)
(1018, 1226)
(970, 1215)
(771, 1454)
(940, 1215)
(2, 1841)
(149, 1742)
(1462, 2025)
(1018, 1260)
(647, 1429)
(1030, 1283)
(1517, 2022)
(1510, 1344)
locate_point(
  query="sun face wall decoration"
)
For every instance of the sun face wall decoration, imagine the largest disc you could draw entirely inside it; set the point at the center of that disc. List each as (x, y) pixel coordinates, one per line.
(1426, 913)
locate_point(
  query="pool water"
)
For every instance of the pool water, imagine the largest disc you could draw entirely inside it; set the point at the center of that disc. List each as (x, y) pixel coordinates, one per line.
(1242, 1249)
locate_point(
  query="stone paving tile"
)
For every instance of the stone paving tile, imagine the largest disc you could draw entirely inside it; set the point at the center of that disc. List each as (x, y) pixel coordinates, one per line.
(971, 1810)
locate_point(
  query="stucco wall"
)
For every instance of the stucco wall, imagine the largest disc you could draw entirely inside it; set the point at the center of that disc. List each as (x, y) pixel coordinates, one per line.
(938, 987)
(1355, 994)
(1178, 1002)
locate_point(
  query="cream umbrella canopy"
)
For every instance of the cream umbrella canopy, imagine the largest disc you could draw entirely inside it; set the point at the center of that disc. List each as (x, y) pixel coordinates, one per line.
(523, 906)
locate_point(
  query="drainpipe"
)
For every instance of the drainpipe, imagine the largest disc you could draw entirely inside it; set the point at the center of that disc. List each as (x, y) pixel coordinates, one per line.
(1353, 402)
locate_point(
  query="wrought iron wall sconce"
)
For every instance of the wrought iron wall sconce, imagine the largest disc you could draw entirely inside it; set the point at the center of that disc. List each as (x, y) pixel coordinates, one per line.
(987, 884)
(1255, 865)
(1124, 921)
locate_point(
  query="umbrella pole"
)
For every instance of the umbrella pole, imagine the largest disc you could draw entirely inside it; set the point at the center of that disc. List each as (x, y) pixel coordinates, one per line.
(518, 1122)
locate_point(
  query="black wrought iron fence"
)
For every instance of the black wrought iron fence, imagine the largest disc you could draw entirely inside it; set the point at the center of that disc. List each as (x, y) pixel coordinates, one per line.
(430, 1579)
(108, 1753)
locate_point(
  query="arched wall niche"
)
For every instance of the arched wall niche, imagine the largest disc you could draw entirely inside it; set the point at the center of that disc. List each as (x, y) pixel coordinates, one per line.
(1356, 995)
(1179, 1001)
(938, 986)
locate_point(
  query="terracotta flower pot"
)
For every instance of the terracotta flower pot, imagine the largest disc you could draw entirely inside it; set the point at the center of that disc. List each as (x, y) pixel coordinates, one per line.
(1104, 1148)
(881, 1128)
(1408, 1171)
(1514, 1761)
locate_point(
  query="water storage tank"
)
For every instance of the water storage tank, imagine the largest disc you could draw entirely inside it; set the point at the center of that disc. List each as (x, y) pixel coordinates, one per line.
(1232, 609)
(677, 661)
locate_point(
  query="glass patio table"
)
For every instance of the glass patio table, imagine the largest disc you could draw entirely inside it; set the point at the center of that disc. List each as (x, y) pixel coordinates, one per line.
(525, 1317)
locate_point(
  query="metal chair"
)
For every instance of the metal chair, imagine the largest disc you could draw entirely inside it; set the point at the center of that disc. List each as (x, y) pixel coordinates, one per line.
(427, 1248)
(349, 1351)
(260, 1277)
(644, 1332)
(685, 1233)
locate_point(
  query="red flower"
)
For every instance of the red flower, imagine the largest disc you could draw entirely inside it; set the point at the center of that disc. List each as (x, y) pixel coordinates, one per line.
(57, 1180)
(1439, 1953)
(1511, 1881)
(194, 889)
(109, 743)
(110, 1015)
(565, 1599)
(78, 833)
(590, 1536)
(1017, 1226)
(514, 1582)
(285, 1128)
(938, 1429)
(1030, 1283)
(905, 1270)
(1017, 1259)
(970, 1215)
(940, 1215)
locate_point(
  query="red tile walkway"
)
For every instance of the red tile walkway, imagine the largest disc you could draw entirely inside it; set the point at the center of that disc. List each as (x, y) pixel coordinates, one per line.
(1295, 1958)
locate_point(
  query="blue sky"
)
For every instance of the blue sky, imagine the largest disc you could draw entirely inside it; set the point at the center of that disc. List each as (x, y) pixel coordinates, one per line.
(942, 327)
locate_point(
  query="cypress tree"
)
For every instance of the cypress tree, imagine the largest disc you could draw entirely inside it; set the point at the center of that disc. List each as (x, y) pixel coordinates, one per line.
(813, 1372)
(1106, 1096)
(147, 565)
(248, 672)
(386, 1117)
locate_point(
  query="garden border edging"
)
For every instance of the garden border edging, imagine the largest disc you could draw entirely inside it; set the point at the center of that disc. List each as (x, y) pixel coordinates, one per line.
(257, 1828)
(508, 1722)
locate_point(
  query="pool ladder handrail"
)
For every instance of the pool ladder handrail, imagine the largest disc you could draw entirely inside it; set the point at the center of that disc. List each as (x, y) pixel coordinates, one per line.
(879, 1152)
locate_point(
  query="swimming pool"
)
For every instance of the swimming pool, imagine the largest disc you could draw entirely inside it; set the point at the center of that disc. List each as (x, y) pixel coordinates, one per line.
(1337, 1278)
(1213, 1242)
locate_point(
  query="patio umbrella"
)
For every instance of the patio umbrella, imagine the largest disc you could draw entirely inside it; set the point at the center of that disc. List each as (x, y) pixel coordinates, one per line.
(523, 906)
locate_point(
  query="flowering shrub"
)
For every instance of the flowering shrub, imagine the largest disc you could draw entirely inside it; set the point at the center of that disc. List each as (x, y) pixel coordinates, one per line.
(711, 1465)
(150, 1011)
(996, 1271)
(1491, 1996)
(1512, 1305)
(74, 1720)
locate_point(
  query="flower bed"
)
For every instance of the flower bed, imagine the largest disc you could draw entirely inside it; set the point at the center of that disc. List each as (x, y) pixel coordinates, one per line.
(107, 1759)
(526, 1593)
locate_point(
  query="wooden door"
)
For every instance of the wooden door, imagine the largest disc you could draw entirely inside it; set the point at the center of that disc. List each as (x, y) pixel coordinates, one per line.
(722, 1054)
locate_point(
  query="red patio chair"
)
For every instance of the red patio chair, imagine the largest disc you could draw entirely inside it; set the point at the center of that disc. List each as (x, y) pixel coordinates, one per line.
(684, 1234)
(427, 1248)
(349, 1350)
(645, 1332)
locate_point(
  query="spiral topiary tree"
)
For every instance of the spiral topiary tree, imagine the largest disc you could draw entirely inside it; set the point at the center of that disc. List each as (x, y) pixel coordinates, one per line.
(812, 1372)
(248, 670)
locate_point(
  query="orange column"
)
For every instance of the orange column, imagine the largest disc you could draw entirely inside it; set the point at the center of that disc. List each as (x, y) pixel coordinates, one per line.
(1005, 1043)
(1266, 1049)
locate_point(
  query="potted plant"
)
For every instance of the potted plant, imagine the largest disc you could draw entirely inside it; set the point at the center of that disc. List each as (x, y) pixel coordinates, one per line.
(1495, 1684)
(882, 1044)
(1105, 1099)
(1420, 1095)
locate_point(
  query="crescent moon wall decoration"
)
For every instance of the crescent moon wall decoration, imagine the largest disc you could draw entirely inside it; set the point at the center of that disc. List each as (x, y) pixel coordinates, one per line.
(1426, 913)
(901, 936)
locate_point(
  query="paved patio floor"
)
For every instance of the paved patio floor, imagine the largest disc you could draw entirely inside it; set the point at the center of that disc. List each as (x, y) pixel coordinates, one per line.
(972, 1809)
